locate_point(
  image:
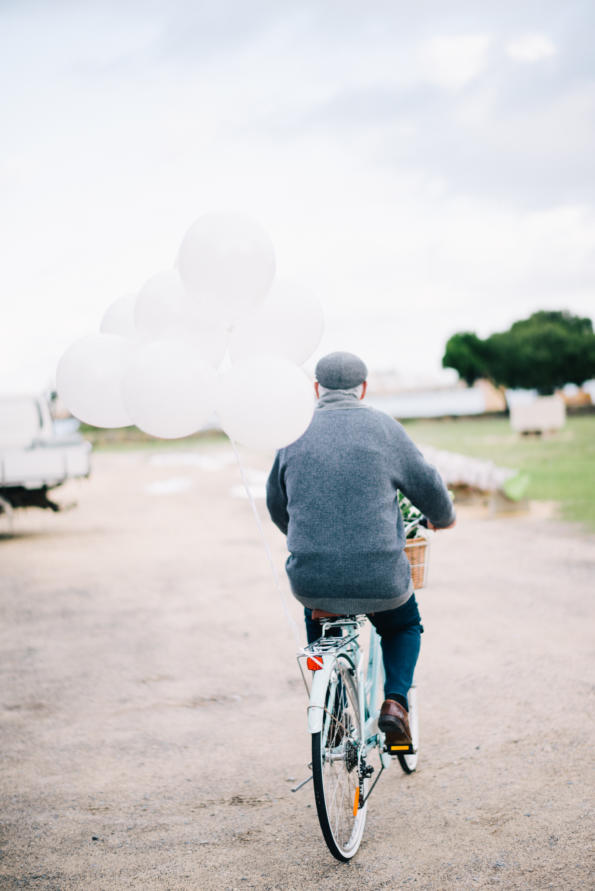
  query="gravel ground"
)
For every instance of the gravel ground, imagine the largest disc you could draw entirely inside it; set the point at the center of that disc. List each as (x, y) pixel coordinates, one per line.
(153, 718)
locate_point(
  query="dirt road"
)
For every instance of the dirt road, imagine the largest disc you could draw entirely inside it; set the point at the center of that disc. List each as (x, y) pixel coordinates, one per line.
(153, 719)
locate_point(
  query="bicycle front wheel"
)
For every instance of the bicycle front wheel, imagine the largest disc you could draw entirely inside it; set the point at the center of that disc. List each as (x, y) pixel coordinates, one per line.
(409, 762)
(336, 752)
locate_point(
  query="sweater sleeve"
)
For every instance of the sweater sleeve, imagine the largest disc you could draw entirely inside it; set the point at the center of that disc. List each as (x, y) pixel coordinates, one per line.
(277, 496)
(421, 483)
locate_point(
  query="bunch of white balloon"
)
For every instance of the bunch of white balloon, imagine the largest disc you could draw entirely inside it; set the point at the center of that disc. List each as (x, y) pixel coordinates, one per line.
(156, 361)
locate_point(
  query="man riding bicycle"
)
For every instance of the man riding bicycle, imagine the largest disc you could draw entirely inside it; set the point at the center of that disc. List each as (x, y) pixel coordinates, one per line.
(334, 493)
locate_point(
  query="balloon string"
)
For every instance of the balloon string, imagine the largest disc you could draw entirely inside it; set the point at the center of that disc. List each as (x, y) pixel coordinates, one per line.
(277, 581)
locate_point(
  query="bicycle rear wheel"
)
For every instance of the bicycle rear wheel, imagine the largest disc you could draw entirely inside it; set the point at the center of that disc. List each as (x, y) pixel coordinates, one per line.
(409, 762)
(335, 765)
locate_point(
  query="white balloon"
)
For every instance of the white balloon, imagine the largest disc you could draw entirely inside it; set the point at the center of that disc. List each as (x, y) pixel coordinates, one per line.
(89, 376)
(290, 323)
(164, 311)
(160, 304)
(265, 403)
(168, 390)
(119, 317)
(228, 261)
(207, 336)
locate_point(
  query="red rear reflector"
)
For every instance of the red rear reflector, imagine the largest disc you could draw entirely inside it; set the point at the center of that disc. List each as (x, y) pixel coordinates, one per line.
(314, 663)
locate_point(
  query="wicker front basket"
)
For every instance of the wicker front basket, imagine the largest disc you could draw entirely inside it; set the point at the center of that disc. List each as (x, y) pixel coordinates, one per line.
(416, 550)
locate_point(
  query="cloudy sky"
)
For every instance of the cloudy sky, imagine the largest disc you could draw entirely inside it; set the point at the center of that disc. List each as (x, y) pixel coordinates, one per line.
(425, 168)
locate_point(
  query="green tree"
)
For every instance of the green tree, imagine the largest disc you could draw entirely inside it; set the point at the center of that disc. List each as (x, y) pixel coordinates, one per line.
(466, 353)
(544, 352)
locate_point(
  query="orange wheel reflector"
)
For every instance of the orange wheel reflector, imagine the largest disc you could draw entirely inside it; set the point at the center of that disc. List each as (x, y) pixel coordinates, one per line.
(356, 802)
(314, 663)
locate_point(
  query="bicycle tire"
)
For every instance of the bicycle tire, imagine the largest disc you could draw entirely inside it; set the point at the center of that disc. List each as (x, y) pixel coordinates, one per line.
(335, 766)
(409, 762)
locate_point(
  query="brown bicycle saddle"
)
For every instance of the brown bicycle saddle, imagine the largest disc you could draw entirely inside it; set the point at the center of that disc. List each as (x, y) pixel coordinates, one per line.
(322, 614)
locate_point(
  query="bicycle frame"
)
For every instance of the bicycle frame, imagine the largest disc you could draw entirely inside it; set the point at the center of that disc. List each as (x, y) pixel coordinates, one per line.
(327, 650)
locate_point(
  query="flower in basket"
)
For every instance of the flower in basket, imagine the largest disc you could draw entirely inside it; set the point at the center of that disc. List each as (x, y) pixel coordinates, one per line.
(411, 515)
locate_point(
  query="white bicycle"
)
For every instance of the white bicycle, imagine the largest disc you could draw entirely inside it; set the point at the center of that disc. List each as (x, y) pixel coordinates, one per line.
(343, 714)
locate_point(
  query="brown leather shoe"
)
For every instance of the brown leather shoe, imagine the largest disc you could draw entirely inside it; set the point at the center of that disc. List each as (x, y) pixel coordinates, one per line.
(394, 722)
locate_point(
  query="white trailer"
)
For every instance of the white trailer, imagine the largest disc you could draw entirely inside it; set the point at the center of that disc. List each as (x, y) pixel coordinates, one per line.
(36, 453)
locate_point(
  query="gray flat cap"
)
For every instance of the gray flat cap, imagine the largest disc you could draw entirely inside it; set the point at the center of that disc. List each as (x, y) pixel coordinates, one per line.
(341, 371)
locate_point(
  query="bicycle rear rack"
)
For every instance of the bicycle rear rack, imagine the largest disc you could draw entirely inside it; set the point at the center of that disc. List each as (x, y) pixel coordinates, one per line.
(325, 646)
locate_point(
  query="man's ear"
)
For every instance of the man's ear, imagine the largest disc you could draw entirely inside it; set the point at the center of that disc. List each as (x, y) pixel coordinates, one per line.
(316, 390)
(364, 388)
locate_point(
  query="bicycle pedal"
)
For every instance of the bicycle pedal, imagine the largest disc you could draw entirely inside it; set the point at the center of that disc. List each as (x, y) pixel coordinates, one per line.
(400, 750)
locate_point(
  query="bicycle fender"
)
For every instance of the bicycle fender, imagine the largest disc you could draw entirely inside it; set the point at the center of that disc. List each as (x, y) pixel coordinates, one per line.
(316, 705)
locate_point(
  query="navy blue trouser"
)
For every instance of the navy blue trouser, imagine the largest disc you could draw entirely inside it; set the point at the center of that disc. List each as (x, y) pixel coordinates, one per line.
(400, 632)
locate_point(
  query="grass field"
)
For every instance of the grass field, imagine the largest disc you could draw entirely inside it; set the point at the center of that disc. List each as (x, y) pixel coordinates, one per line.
(131, 439)
(561, 466)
